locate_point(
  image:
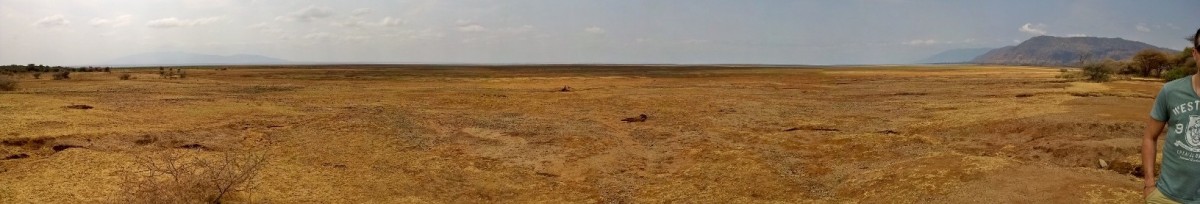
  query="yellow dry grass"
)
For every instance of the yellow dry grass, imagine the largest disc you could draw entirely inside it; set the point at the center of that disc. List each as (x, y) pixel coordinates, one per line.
(412, 134)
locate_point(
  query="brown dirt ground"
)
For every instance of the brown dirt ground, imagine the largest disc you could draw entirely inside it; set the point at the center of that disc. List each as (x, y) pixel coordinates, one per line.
(446, 134)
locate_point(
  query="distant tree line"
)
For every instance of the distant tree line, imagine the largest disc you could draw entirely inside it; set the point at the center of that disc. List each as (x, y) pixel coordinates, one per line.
(16, 68)
(1146, 63)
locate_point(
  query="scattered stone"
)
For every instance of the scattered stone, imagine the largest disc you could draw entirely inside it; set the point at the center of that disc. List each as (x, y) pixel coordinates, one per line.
(193, 146)
(1103, 165)
(911, 94)
(1023, 95)
(61, 147)
(565, 89)
(83, 107)
(825, 129)
(1088, 94)
(17, 156)
(145, 140)
(28, 142)
(641, 118)
(547, 174)
(339, 166)
(890, 132)
(813, 129)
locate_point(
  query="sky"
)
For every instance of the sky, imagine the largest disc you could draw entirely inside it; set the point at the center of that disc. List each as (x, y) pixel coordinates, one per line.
(83, 32)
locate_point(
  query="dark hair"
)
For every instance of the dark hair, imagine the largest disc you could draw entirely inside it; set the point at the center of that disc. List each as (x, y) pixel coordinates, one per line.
(1195, 42)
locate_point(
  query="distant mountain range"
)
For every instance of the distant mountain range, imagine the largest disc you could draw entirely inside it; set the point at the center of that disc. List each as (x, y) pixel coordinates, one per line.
(1064, 51)
(183, 58)
(964, 55)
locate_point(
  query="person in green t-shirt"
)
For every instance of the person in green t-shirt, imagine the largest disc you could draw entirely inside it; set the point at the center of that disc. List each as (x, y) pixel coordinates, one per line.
(1177, 107)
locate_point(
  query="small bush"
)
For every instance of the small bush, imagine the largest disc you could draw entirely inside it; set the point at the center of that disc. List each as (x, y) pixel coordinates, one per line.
(1097, 72)
(176, 178)
(62, 75)
(1070, 75)
(8, 84)
(125, 76)
(1177, 72)
(37, 75)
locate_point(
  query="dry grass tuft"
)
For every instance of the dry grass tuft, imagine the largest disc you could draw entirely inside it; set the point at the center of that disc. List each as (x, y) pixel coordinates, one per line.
(125, 76)
(8, 84)
(62, 75)
(181, 178)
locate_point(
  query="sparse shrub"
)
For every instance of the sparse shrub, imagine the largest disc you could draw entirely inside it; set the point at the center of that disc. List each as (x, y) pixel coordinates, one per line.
(37, 75)
(62, 75)
(125, 76)
(1097, 72)
(182, 74)
(1178, 72)
(8, 84)
(1070, 75)
(178, 178)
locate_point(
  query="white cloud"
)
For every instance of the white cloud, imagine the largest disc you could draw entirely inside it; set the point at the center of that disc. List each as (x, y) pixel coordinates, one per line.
(354, 38)
(52, 21)
(386, 21)
(921, 42)
(594, 30)
(389, 21)
(327, 37)
(308, 14)
(694, 41)
(317, 36)
(1142, 27)
(114, 22)
(426, 34)
(1036, 29)
(519, 29)
(173, 22)
(1173, 26)
(360, 12)
(471, 28)
(935, 42)
(265, 28)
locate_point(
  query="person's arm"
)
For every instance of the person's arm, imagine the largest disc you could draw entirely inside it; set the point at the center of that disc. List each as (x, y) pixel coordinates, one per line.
(1149, 152)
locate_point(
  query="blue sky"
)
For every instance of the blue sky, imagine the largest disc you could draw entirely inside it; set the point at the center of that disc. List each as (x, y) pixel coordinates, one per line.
(73, 32)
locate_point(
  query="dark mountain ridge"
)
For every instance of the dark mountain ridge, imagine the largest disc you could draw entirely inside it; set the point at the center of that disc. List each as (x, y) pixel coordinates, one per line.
(1064, 51)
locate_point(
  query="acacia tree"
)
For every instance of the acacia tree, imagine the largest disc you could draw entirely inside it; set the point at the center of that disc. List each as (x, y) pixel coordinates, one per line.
(1184, 59)
(1150, 62)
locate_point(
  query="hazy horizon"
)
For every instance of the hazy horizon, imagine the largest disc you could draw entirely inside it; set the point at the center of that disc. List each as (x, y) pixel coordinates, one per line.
(79, 32)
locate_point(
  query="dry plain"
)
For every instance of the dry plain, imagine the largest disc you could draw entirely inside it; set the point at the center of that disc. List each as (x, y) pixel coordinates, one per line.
(507, 134)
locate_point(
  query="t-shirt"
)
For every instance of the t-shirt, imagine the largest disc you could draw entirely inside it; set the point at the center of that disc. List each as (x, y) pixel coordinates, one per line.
(1178, 106)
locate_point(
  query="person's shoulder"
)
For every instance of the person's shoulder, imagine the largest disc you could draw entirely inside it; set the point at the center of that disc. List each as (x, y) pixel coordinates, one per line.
(1180, 83)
